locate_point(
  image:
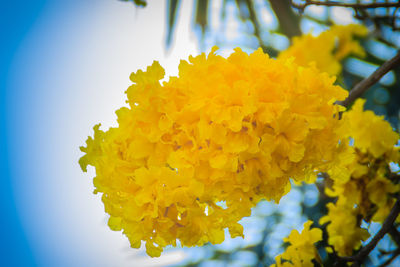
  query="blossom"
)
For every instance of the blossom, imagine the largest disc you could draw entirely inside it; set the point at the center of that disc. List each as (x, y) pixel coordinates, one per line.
(343, 229)
(301, 250)
(364, 127)
(365, 190)
(328, 49)
(230, 130)
(366, 183)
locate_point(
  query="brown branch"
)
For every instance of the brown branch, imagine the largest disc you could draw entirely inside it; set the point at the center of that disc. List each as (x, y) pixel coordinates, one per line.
(363, 86)
(301, 7)
(395, 235)
(389, 261)
(289, 21)
(255, 22)
(386, 227)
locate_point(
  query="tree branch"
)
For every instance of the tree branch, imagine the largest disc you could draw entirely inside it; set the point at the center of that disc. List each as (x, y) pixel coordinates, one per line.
(255, 22)
(386, 227)
(289, 21)
(395, 235)
(301, 7)
(363, 86)
(389, 261)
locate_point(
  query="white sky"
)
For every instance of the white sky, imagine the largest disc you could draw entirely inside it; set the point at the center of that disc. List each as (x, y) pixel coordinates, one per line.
(69, 74)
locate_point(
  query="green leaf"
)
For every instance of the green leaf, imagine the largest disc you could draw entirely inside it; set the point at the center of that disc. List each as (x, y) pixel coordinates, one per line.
(172, 15)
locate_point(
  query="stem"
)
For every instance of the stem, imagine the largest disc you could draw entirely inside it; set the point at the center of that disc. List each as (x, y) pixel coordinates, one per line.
(363, 86)
(289, 22)
(395, 235)
(386, 227)
(389, 261)
(334, 3)
(255, 22)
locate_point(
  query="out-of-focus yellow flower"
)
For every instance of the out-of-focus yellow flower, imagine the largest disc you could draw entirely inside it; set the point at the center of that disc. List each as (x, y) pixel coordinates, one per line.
(371, 133)
(346, 44)
(328, 49)
(343, 229)
(301, 250)
(365, 190)
(231, 130)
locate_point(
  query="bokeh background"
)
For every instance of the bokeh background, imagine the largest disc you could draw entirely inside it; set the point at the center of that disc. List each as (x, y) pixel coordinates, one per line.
(64, 66)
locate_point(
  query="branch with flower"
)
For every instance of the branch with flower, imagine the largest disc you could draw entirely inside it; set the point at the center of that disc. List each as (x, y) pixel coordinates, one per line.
(356, 5)
(363, 10)
(238, 130)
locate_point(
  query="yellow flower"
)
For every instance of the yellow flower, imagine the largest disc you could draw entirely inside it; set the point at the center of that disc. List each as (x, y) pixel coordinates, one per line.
(379, 188)
(346, 44)
(343, 229)
(365, 127)
(301, 250)
(226, 129)
(328, 49)
(365, 184)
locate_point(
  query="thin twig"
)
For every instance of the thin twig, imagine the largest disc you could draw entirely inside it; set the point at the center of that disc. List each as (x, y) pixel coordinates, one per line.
(389, 261)
(362, 86)
(289, 21)
(340, 4)
(254, 21)
(395, 235)
(386, 226)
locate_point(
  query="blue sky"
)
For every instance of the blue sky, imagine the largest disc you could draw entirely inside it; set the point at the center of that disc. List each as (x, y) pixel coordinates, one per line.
(15, 21)
(64, 68)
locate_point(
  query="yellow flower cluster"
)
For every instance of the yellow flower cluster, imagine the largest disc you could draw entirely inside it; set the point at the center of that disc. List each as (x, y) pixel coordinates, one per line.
(344, 232)
(364, 190)
(328, 49)
(229, 130)
(301, 250)
(364, 127)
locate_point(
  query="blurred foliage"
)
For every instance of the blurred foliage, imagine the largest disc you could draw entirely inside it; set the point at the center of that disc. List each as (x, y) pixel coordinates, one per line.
(271, 25)
(172, 16)
(140, 3)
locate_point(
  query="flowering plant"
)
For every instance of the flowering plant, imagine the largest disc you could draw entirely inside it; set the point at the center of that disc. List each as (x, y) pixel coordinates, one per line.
(193, 154)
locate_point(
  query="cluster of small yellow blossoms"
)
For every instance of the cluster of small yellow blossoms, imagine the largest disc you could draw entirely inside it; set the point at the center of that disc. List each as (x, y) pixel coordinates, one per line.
(364, 191)
(229, 130)
(361, 174)
(328, 49)
(301, 250)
